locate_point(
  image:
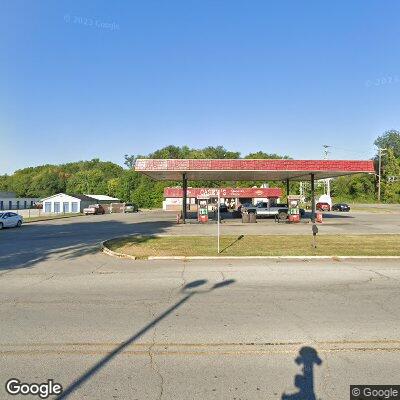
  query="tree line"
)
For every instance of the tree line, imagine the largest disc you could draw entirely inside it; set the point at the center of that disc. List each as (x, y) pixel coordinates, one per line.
(104, 177)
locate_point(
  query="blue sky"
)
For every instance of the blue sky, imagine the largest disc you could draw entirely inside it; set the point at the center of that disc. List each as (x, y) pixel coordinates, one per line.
(81, 80)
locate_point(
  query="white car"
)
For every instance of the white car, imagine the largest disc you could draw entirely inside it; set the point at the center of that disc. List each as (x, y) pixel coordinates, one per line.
(10, 219)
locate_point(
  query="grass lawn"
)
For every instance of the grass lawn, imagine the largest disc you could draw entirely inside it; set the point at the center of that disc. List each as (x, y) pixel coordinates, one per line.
(47, 217)
(257, 245)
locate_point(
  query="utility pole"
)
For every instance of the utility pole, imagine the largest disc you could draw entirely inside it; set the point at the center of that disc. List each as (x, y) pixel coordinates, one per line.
(327, 181)
(380, 152)
(218, 220)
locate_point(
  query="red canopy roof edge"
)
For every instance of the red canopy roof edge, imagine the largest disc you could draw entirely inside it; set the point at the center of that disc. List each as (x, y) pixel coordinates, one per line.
(143, 165)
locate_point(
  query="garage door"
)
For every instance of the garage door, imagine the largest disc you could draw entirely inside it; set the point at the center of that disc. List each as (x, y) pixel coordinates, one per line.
(74, 207)
(65, 207)
(47, 207)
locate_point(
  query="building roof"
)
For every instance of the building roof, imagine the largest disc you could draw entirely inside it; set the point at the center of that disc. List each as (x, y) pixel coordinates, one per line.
(75, 196)
(83, 197)
(6, 195)
(246, 169)
(101, 197)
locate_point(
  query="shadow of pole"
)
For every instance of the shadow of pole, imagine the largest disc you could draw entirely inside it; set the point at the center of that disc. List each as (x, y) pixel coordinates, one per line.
(305, 383)
(93, 370)
(231, 244)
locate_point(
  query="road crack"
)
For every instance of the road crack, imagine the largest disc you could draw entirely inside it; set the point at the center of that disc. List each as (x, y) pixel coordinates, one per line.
(153, 364)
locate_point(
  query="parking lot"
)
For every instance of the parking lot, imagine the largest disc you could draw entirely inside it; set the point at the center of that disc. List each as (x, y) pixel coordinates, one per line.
(110, 328)
(67, 238)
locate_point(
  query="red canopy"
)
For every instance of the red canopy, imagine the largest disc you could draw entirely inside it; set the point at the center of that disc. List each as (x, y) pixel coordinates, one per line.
(244, 169)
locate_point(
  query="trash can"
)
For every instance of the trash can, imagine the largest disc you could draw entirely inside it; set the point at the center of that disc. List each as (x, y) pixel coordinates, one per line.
(252, 218)
(245, 218)
(294, 217)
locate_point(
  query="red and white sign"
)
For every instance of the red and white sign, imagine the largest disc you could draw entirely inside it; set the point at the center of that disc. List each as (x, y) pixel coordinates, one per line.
(249, 193)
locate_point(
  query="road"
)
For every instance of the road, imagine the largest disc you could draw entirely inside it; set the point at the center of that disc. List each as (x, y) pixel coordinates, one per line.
(107, 328)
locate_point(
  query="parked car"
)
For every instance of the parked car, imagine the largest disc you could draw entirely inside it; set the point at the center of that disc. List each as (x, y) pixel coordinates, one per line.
(10, 219)
(268, 209)
(341, 207)
(94, 209)
(130, 207)
(243, 206)
(323, 206)
(223, 208)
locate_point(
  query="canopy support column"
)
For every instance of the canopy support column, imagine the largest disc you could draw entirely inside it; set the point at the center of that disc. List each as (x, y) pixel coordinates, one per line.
(287, 190)
(184, 197)
(312, 199)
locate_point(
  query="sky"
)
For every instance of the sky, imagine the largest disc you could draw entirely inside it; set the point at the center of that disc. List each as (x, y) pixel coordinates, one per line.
(100, 79)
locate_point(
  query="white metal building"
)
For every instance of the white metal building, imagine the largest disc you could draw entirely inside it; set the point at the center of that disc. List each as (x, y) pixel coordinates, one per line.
(9, 201)
(65, 203)
(74, 203)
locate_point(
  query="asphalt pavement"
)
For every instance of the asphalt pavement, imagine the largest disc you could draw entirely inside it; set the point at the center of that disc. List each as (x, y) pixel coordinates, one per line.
(107, 328)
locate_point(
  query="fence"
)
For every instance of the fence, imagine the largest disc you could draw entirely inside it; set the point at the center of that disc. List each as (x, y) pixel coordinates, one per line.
(114, 208)
(36, 212)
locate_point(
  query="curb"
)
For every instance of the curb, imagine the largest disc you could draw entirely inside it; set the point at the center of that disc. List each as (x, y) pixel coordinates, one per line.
(272, 257)
(51, 219)
(112, 253)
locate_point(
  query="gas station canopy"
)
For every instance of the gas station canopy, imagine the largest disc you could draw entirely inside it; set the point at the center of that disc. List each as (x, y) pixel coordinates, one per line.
(250, 170)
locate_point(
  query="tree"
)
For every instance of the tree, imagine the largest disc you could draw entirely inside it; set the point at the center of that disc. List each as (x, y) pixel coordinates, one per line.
(390, 140)
(103, 177)
(261, 155)
(93, 181)
(354, 188)
(129, 161)
(5, 182)
(46, 183)
(391, 167)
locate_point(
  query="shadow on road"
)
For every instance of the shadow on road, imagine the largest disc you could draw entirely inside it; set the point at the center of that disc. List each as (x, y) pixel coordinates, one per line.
(35, 243)
(186, 291)
(305, 383)
(336, 215)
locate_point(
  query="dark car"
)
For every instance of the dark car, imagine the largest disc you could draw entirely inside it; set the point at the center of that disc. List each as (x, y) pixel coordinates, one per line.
(341, 207)
(223, 208)
(323, 206)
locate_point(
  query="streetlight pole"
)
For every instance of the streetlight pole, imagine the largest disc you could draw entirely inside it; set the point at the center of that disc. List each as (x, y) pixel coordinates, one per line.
(380, 152)
(218, 232)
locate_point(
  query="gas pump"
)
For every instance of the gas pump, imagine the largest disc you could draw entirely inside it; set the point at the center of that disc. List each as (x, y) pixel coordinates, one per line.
(294, 208)
(202, 209)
